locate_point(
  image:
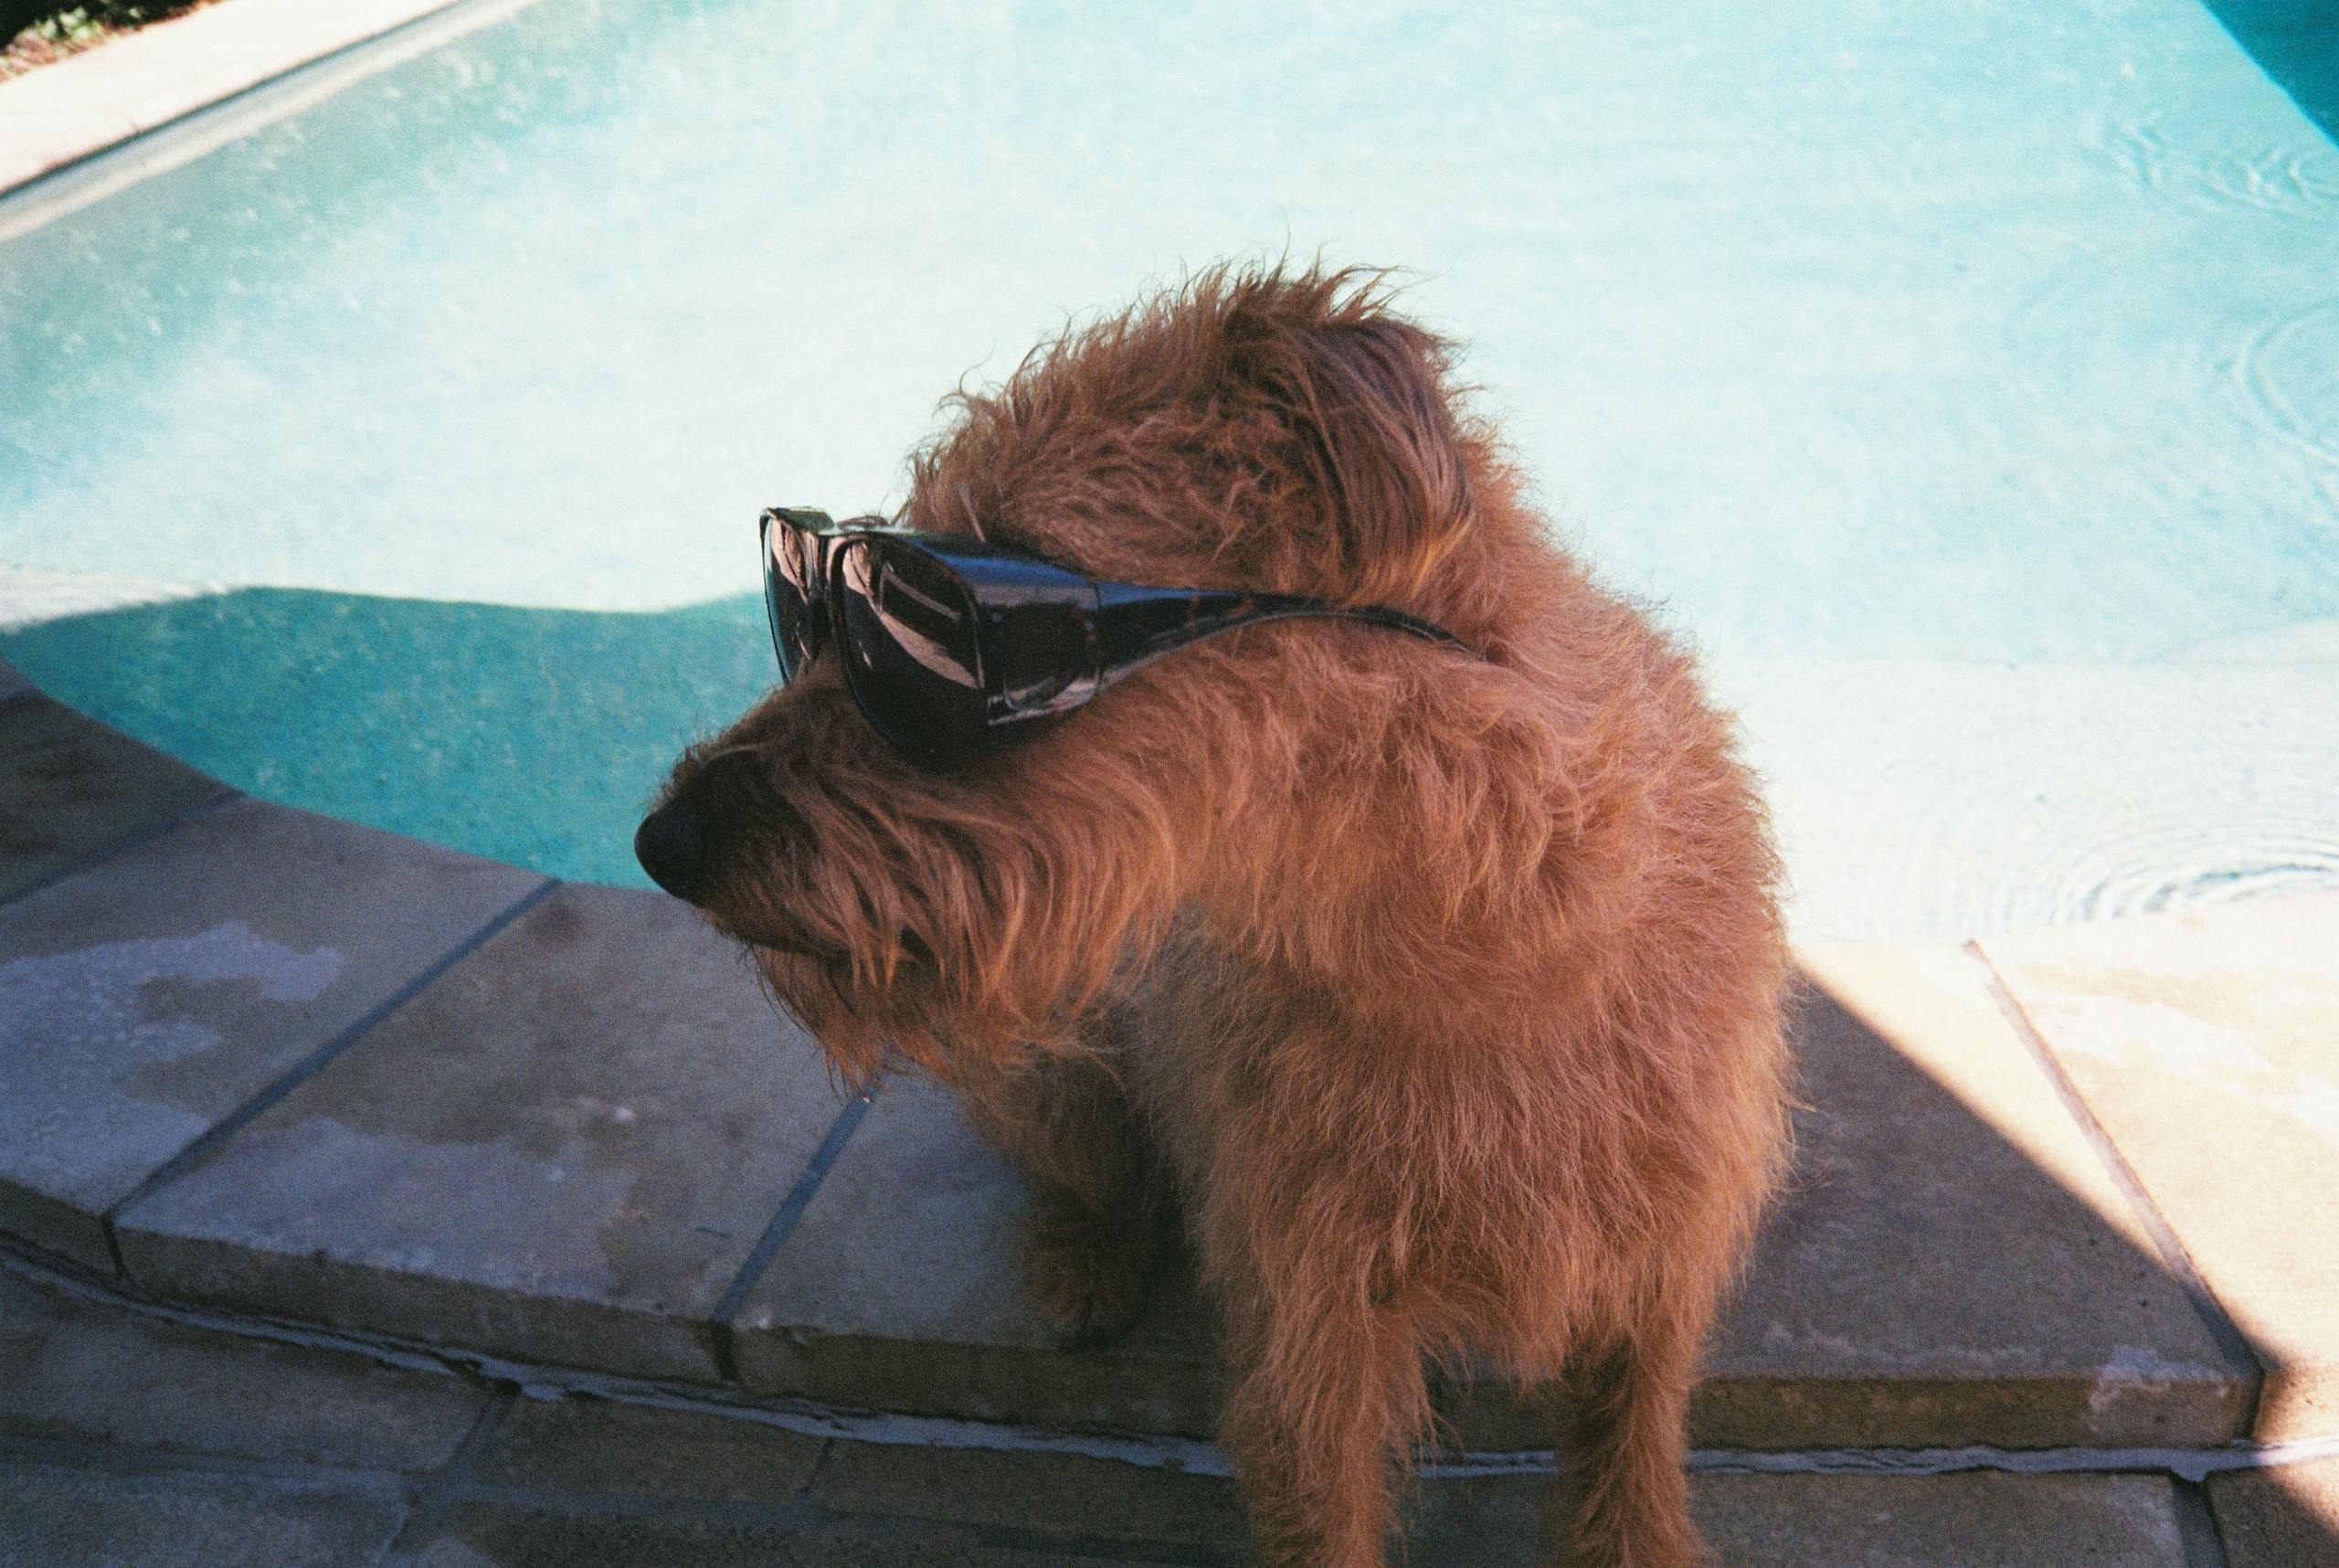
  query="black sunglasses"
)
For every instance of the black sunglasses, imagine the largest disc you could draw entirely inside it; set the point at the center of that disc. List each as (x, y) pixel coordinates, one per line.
(953, 647)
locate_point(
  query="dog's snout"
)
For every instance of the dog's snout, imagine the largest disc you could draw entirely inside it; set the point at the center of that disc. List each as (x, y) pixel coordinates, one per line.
(672, 848)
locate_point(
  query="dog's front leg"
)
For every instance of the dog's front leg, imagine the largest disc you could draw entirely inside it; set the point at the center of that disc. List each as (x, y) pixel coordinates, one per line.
(1097, 1197)
(1326, 1390)
(1322, 1404)
(1621, 1500)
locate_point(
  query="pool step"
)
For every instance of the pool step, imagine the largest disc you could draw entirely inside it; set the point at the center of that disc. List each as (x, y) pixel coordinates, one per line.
(170, 1445)
(2054, 1192)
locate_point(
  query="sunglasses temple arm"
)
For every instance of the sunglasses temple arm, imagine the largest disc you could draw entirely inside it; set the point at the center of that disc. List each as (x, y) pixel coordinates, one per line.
(1135, 626)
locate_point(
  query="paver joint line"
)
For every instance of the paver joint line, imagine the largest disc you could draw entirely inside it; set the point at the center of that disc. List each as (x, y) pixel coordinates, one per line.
(819, 1469)
(791, 1209)
(204, 1144)
(2231, 1341)
(124, 844)
(447, 1485)
(2197, 1525)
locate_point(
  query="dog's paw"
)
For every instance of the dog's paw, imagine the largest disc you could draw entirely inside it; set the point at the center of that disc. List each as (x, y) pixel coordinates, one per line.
(1087, 1274)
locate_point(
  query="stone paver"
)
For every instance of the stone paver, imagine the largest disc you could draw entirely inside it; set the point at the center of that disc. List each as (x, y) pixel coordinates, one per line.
(508, 1535)
(899, 1290)
(564, 1150)
(1973, 1521)
(72, 1368)
(146, 998)
(60, 1517)
(598, 1445)
(584, 1480)
(877, 1504)
(2279, 1518)
(2208, 1045)
(70, 787)
(1031, 1491)
(1978, 1520)
(1950, 1262)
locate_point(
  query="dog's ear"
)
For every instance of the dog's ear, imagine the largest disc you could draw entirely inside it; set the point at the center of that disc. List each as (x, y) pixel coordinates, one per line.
(1367, 425)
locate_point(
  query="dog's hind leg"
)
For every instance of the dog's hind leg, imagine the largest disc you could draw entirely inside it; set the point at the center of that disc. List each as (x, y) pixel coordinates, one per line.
(1621, 1498)
(1097, 1216)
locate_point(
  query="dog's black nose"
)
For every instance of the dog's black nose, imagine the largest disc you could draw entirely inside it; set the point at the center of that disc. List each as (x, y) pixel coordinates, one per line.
(672, 850)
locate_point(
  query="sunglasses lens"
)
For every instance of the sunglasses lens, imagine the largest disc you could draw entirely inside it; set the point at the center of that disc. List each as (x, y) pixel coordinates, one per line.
(911, 649)
(790, 593)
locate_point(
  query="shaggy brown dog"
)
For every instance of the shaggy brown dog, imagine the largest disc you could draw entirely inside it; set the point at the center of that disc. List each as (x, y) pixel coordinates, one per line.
(1439, 990)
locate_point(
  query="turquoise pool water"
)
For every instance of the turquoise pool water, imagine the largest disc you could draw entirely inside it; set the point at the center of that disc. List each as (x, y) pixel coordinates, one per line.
(1964, 381)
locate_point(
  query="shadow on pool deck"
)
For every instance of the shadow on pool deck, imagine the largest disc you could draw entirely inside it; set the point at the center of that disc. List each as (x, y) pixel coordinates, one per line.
(1956, 1262)
(455, 723)
(2296, 42)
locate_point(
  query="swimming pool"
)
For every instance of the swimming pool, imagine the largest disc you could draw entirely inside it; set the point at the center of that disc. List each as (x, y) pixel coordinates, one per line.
(1965, 384)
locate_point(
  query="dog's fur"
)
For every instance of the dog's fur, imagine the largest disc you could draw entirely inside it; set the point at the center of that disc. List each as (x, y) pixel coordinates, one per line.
(1438, 991)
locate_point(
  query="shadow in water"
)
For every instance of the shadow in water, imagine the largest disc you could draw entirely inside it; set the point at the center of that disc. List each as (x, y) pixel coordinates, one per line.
(2296, 42)
(530, 735)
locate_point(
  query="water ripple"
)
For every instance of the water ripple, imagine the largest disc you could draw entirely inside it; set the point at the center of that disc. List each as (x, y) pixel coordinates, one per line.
(1936, 802)
(2288, 376)
(2287, 179)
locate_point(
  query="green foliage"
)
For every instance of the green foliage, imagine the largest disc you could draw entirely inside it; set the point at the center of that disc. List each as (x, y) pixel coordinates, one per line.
(46, 22)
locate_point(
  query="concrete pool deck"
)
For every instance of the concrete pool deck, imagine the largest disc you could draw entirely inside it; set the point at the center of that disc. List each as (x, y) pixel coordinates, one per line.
(2060, 1199)
(128, 86)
